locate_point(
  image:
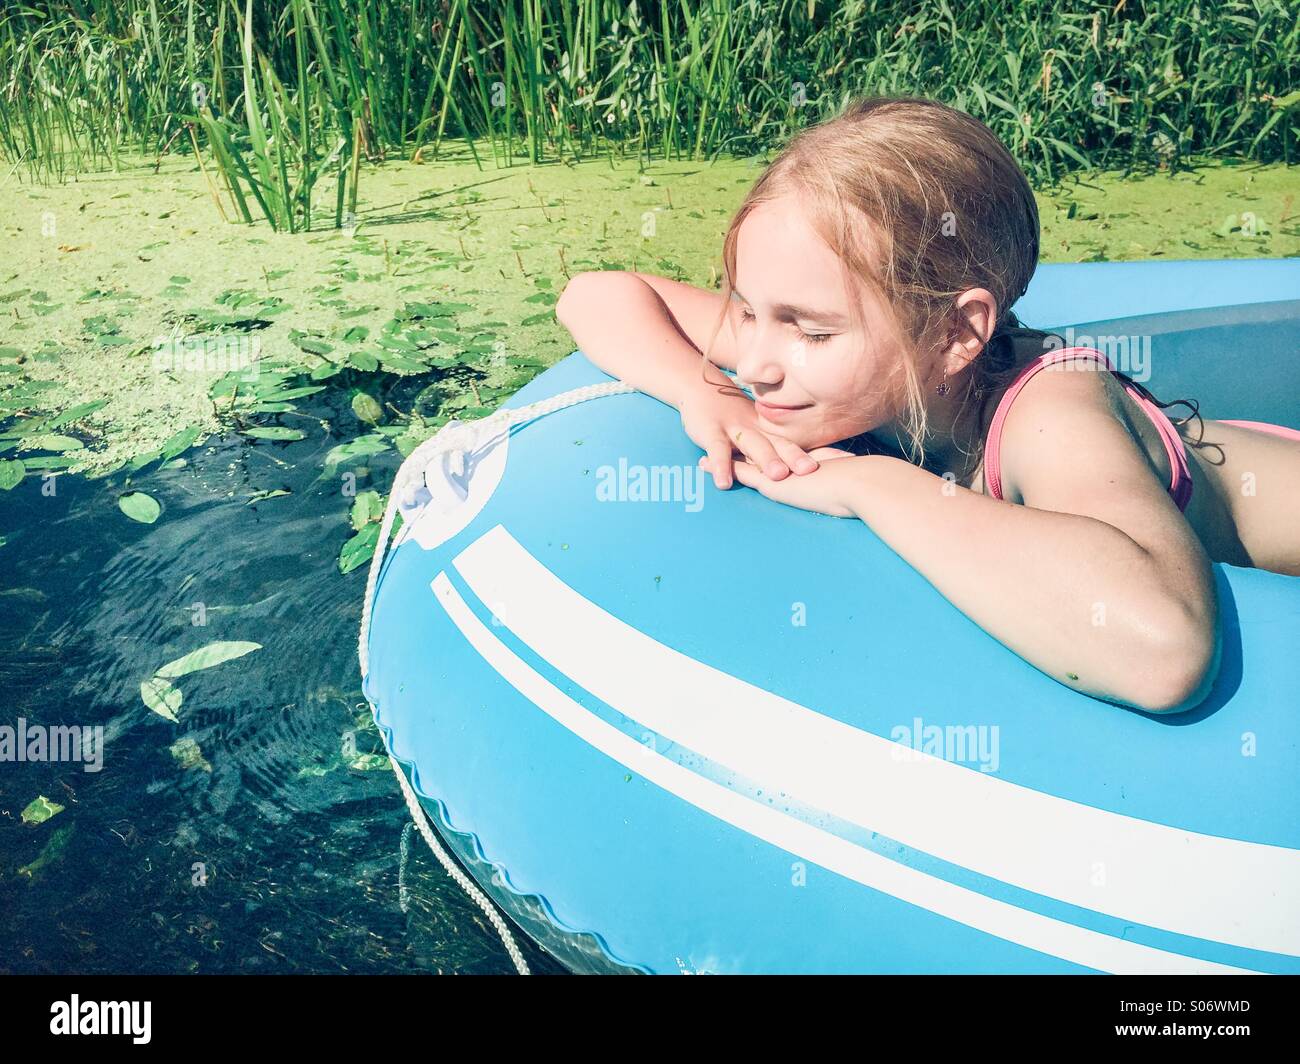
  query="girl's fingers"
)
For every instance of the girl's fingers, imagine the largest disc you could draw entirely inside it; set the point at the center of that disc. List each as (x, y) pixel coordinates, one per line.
(758, 449)
(718, 459)
(795, 456)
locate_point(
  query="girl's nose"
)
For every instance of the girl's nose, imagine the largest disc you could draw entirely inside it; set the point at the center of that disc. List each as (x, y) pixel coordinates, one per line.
(761, 362)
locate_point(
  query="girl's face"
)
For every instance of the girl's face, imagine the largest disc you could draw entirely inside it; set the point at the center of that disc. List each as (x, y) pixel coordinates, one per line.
(797, 346)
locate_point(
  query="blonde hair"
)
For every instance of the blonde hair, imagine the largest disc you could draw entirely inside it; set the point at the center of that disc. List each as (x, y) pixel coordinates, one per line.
(951, 210)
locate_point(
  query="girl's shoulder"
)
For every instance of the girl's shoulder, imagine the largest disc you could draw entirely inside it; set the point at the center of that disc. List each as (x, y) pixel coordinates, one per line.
(1071, 390)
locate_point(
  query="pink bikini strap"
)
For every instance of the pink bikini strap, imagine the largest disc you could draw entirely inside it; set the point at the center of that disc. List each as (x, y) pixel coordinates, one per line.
(1180, 472)
(992, 444)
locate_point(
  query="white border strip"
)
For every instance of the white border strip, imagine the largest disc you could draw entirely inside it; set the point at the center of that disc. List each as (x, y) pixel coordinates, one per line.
(1091, 949)
(1225, 890)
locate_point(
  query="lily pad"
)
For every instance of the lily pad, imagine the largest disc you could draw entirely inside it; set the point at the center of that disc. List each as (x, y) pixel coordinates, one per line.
(139, 507)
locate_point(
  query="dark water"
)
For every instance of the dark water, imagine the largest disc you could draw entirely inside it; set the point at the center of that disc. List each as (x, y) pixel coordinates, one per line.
(268, 848)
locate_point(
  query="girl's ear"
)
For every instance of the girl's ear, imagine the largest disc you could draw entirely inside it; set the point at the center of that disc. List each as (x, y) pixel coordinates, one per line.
(976, 316)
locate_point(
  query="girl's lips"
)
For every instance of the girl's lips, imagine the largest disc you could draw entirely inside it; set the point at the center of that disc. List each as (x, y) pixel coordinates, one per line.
(777, 413)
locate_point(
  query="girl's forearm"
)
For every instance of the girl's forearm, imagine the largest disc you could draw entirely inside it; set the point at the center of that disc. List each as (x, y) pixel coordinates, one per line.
(1074, 596)
(623, 326)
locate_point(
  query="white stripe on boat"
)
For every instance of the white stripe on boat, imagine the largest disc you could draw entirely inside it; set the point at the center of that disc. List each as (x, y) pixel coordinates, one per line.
(1079, 945)
(1225, 890)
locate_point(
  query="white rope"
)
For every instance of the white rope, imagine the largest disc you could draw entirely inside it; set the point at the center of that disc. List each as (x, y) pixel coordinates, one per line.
(468, 885)
(454, 440)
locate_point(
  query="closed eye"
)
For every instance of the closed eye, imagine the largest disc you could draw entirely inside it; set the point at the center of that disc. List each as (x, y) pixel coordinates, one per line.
(812, 338)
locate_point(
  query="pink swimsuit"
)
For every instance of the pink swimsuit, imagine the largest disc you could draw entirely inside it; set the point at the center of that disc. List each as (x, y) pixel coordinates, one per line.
(1180, 486)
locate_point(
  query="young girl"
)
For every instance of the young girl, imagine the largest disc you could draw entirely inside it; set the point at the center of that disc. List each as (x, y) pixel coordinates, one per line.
(868, 278)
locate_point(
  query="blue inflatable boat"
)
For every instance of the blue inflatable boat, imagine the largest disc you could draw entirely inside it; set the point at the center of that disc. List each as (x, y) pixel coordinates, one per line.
(670, 729)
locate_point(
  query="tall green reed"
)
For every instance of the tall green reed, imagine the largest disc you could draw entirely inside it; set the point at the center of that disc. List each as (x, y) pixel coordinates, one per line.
(313, 90)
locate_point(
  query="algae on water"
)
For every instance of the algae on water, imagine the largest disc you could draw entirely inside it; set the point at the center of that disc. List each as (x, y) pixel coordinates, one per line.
(118, 304)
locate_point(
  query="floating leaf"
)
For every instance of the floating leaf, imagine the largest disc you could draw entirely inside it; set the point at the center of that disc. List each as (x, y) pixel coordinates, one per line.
(294, 393)
(139, 507)
(48, 461)
(394, 363)
(366, 408)
(40, 810)
(206, 657)
(275, 432)
(142, 460)
(11, 473)
(76, 413)
(52, 852)
(359, 549)
(161, 697)
(366, 507)
(367, 363)
(179, 443)
(416, 311)
(314, 347)
(53, 442)
(273, 493)
(362, 445)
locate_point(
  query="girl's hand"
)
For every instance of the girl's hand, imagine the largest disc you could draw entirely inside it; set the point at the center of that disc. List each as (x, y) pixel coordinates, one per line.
(721, 423)
(824, 491)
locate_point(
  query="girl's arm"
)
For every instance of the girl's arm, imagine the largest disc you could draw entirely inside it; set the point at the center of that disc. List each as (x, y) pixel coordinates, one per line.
(1097, 579)
(648, 331)
(624, 326)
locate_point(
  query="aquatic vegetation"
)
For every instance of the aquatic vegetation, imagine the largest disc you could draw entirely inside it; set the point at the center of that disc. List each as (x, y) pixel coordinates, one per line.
(40, 810)
(165, 698)
(139, 506)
